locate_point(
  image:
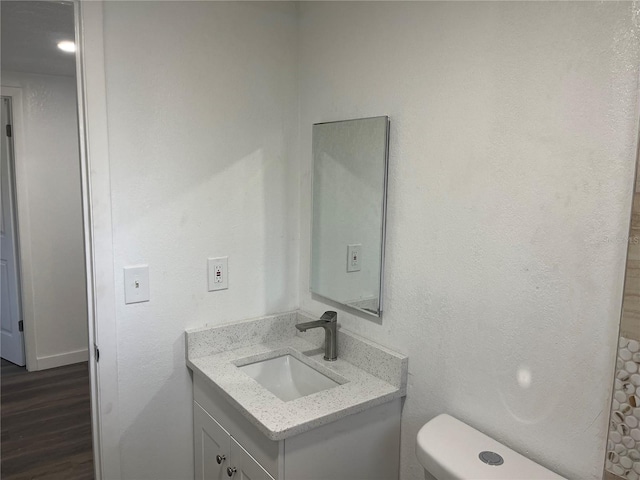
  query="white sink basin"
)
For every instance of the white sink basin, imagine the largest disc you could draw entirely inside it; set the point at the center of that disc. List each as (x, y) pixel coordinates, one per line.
(287, 377)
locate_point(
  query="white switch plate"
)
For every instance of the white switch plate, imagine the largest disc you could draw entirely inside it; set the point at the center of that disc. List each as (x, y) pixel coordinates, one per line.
(136, 284)
(353, 257)
(218, 273)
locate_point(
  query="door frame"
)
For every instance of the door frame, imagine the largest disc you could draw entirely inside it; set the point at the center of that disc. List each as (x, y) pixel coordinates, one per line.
(98, 237)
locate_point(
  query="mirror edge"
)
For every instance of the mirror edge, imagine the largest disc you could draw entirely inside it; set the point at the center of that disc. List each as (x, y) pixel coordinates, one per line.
(383, 223)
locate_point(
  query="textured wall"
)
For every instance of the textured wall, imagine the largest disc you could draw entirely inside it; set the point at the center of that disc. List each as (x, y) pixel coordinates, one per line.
(512, 147)
(512, 152)
(623, 445)
(202, 115)
(53, 217)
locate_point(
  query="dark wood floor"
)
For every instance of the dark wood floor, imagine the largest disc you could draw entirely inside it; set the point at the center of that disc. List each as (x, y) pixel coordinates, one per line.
(45, 419)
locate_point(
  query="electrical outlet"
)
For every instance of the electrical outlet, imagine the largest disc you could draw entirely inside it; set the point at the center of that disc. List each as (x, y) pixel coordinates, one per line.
(353, 257)
(218, 273)
(136, 284)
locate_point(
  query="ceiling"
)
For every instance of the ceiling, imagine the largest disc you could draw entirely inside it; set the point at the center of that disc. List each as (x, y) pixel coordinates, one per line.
(30, 32)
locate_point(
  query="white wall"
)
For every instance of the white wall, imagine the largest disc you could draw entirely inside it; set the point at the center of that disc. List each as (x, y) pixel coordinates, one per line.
(50, 213)
(202, 115)
(513, 132)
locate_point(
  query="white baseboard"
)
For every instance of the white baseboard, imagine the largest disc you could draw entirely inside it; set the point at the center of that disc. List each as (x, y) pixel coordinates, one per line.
(60, 359)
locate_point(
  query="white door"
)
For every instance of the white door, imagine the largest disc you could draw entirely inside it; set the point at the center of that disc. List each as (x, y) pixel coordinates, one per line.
(12, 345)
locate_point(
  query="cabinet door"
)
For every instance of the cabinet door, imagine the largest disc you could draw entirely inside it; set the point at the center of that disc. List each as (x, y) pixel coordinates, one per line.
(211, 445)
(243, 466)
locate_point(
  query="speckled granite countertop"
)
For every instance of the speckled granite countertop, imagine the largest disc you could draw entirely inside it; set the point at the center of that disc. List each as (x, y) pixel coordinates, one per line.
(368, 374)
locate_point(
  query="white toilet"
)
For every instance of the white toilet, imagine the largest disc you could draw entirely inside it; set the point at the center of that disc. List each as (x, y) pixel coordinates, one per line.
(449, 449)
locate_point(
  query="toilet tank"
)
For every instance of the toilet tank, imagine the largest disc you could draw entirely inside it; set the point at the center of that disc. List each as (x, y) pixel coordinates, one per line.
(449, 449)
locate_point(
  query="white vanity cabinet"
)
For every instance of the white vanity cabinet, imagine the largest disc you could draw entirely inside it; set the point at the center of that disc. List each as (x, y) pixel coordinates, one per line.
(362, 446)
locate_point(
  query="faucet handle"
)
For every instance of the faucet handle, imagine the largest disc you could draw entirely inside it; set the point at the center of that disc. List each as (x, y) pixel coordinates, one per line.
(329, 316)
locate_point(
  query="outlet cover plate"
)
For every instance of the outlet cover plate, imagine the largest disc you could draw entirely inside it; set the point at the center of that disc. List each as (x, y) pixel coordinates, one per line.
(218, 273)
(353, 257)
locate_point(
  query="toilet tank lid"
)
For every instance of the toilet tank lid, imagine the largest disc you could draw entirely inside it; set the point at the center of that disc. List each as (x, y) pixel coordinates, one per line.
(450, 449)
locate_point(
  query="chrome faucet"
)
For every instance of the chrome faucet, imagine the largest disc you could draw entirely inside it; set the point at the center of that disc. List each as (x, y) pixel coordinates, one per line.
(328, 321)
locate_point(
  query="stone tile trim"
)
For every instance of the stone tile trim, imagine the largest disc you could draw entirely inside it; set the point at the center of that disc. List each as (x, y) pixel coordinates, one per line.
(623, 445)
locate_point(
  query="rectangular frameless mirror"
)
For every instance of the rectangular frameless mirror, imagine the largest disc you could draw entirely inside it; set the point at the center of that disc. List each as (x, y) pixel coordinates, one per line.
(350, 160)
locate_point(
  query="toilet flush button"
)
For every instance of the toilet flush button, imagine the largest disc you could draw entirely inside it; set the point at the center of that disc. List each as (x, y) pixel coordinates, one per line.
(491, 458)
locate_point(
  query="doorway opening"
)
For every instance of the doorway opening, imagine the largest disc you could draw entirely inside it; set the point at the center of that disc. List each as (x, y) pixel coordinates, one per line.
(45, 400)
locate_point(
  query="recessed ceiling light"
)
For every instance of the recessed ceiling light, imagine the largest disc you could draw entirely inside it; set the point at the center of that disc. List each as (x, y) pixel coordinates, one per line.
(67, 46)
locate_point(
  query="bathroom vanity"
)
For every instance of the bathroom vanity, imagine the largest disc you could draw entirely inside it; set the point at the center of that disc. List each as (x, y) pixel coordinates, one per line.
(267, 406)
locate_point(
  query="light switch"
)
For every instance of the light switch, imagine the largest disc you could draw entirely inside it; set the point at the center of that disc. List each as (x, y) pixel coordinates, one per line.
(353, 257)
(218, 273)
(136, 284)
